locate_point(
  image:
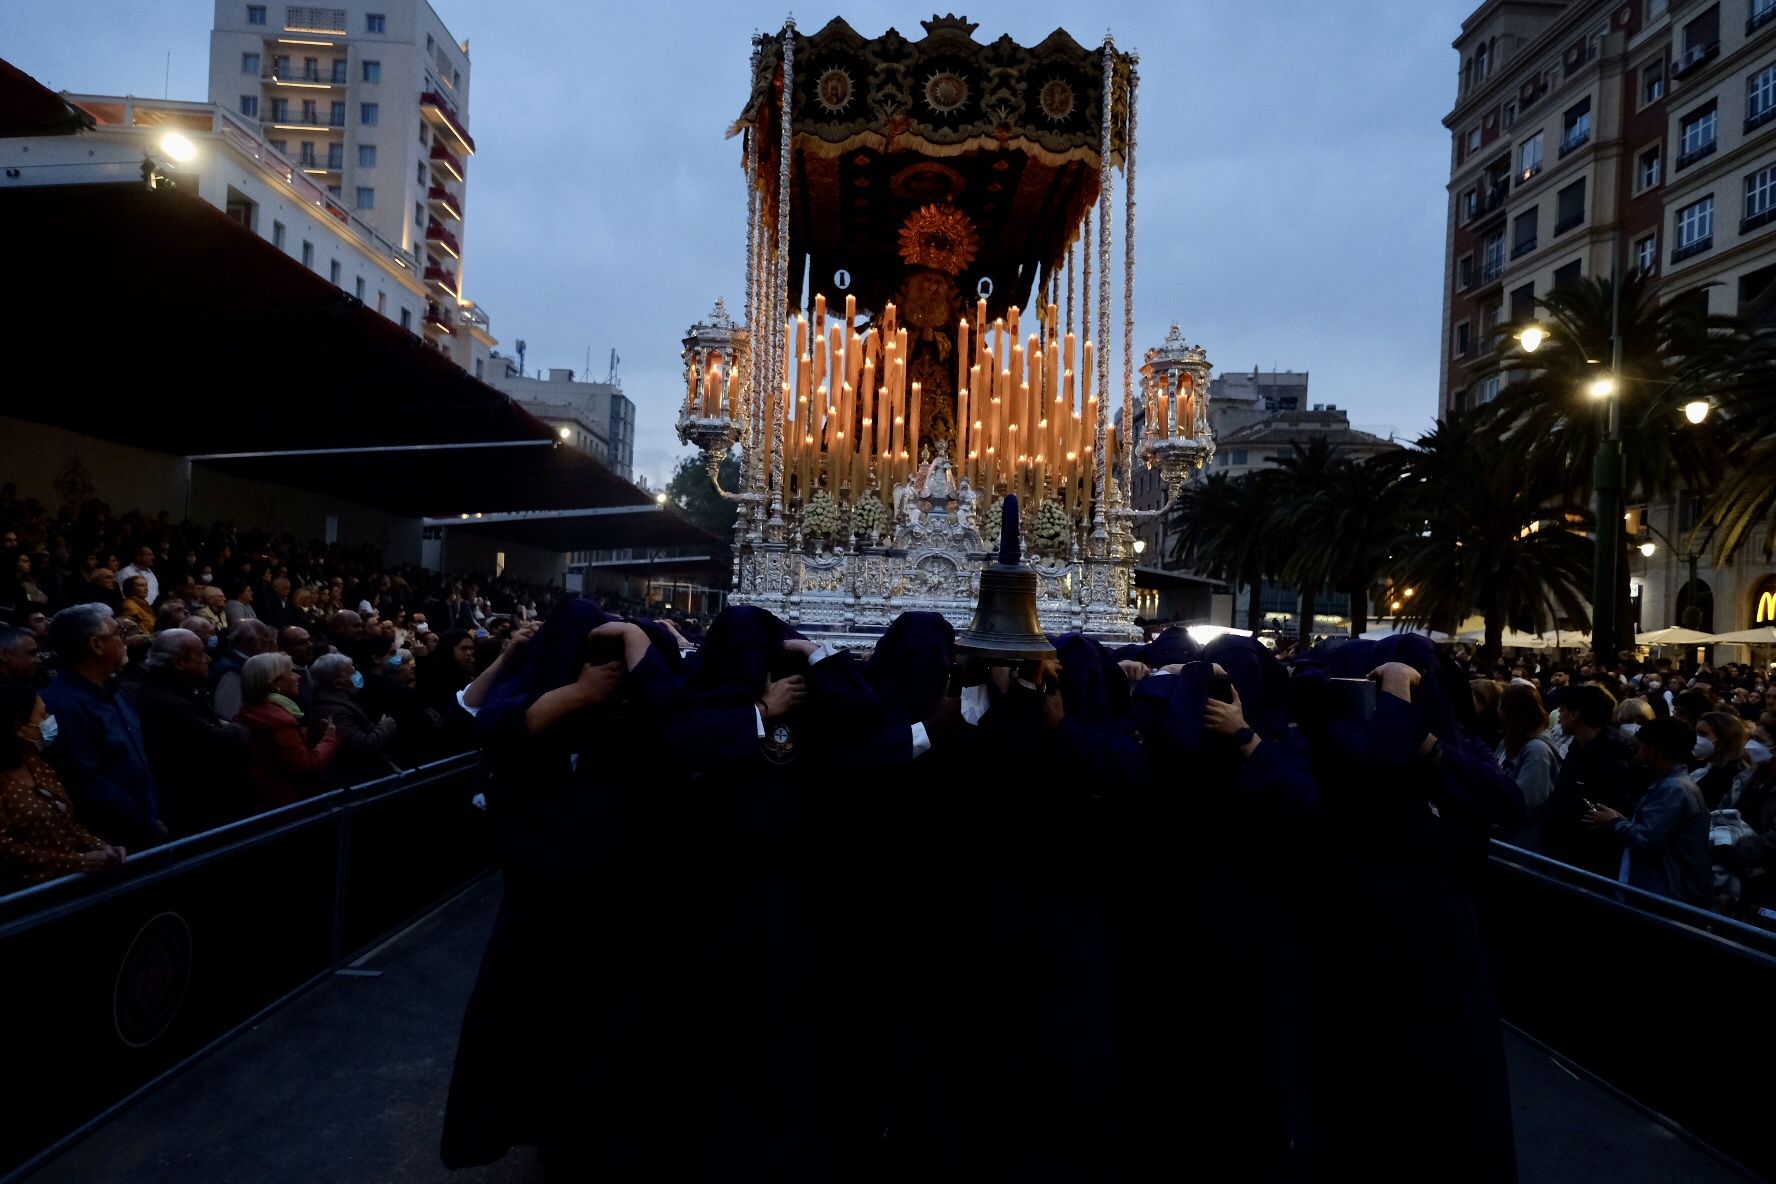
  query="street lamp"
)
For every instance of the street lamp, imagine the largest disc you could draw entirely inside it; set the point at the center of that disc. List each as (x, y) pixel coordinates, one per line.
(1692, 613)
(1696, 410)
(1601, 387)
(1530, 337)
(178, 147)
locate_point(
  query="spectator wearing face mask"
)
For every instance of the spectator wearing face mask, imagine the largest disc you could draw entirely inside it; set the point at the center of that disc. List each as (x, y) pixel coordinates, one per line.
(1631, 715)
(1665, 846)
(41, 836)
(1718, 762)
(364, 745)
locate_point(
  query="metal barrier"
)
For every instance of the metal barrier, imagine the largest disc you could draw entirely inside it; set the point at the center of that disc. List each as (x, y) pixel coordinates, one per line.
(110, 984)
(1659, 1000)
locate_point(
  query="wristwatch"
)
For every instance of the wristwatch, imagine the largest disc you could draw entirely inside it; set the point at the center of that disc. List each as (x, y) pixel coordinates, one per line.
(1243, 737)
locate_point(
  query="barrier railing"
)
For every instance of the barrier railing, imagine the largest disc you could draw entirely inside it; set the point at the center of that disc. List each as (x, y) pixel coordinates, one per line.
(1660, 1000)
(113, 983)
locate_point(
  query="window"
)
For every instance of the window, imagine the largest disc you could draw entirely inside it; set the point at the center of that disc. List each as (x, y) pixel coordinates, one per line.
(1488, 390)
(280, 110)
(1529, 157)
(366, 198)
(1482, 61)
(308, 253)
(336, 113)
(366, 156)
(1652, 83)
(249, 106)
(1646, 254)
(456, 80)
(1239, 457)
(407, 318)
(478, 365)
(1523, 233)
(358, 289)
(249, 63)
(1760, 95)
(255, 14)
(1646, 169)
(430, 44)
(311, 114)
(419, 213)
(375, 22)
(419, 175)
(1569, 209)
(1701, 41)
(1760, 198)
(339, 70)
(1523, 302)
(1492, 256)
(307, 156)
(1473, 139)
(1698, 135)
(369, 114)
(1508, 117)
(1567, 274)
(1762, 12)
(1470, 205)
(335, 157)
(372, 71)
(422, 135)
(1464, 340)
(334, 192)
(281, 147)
(1695, 229)
(1755, 290)
(277, 235)
(1464, 273)
(1575, 126)
(311, 69)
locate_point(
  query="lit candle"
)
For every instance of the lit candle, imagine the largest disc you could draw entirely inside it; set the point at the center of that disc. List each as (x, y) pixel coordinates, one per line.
(913, 423)
(712, 390)
(961, 356)
(962, 422)
(691, 370)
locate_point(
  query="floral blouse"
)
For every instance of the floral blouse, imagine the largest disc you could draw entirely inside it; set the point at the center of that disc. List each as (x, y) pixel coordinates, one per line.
(40, 838)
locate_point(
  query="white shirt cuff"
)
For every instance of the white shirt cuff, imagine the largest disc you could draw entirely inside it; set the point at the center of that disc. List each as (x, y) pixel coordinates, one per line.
(760, 716)
(975, 702)
(462, 703)
(821, 654)
(921, 740)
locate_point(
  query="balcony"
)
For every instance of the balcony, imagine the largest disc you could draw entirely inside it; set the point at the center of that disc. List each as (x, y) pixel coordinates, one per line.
(1691, 250)
(445, 161)
(444, 278)
(1693, 58)
(1575, 142)
(437, 110)
(1693, 155)
(305, 19)
(1566, 224)
(1520, 249)
(1753, 122)
(442, 201)
(302, 121)
(300, 76)
(435, 318)
(435, 233)
(1492, 269)
(1758, 20)
(1757, 221)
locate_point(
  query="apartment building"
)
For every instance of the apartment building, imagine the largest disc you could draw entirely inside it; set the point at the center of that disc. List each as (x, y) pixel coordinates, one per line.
(1642, 134)
(595, 417)
(370, 100)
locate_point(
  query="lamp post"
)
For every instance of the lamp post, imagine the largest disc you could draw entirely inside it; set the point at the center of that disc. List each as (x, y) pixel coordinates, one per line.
(1692, 613)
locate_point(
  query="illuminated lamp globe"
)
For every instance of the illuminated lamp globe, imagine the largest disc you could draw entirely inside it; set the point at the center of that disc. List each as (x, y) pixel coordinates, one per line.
(1530, 337)
(1601, 388)
(1140, 545)
(567, 433)
(178, 147)
(1696, 410)
(1648, 548)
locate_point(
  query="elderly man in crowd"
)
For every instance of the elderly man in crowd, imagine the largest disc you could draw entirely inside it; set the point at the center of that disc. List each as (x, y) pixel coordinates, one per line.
(102, 757)
(246, 640)
(18, 655)
(205, 631)
(363, 745)
(239, 606)
(211, 606)
(101, 588)
(144, 567)
(199, 762)
(171, 614)
(295, 641)
(274, 606)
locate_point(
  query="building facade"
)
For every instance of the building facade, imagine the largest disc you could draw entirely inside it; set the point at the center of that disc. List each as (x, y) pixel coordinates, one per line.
(597, 417)
(1642, 134)
(370, 101)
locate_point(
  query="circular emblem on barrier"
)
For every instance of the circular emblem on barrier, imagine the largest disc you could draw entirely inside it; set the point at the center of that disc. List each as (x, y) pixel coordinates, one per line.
(152, 980)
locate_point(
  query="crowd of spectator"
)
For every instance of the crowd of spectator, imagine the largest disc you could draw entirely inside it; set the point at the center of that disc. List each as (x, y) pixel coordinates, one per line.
(160, 678)
(1654, 772)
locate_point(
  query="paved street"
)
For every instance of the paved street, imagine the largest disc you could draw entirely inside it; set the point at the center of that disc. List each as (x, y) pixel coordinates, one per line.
(348, 1083)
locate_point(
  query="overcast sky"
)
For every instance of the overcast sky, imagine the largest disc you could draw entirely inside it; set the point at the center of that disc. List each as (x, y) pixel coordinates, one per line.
(1291, 171)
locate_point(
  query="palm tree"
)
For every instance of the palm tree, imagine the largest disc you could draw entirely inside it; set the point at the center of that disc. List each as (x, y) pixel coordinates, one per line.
(1673, 351)
(1743, 500)
(1344, 521)
(1496, 536)
(1223, 527)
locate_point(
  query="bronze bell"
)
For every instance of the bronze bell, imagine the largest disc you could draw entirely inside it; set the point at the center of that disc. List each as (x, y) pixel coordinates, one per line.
(1005, 626)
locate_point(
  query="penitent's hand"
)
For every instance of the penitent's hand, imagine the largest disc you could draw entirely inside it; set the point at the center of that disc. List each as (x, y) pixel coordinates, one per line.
(1396, 679)
(598, 684)
(798, 645)
(783, 695)
(1225, 718)
(1134, 671)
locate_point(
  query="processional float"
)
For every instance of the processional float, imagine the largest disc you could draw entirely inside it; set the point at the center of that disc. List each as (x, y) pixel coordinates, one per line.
(929, 299)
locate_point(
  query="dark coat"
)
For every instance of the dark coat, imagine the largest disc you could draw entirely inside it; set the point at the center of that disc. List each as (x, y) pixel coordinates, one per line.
(1601, 772)
(363, 745)
(199, 762)
(102, 759)
(1410, 1056)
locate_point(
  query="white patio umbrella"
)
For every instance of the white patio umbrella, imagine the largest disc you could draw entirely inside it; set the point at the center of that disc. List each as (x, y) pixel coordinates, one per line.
(1514, 639)
(1761, 635)
(1675, 635)
(1385, 631)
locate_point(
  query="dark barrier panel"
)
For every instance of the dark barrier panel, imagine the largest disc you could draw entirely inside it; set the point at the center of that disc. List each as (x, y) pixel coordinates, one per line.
(106, 984)
(1662, 1001)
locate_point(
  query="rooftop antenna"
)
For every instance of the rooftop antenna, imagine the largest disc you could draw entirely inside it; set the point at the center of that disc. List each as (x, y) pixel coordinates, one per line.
(521, 357)
(615, 362)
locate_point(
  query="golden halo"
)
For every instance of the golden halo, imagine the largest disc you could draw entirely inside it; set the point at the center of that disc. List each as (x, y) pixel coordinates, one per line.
(945, 92)
(833, 91)
(939, 237)
(1056, 100)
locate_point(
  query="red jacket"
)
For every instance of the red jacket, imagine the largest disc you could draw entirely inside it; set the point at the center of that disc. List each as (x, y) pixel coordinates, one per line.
(281, 765)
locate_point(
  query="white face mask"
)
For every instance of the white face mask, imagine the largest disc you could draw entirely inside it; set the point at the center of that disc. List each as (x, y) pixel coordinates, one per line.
(1758, 751)
(1628, 730)
(1704, 749)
